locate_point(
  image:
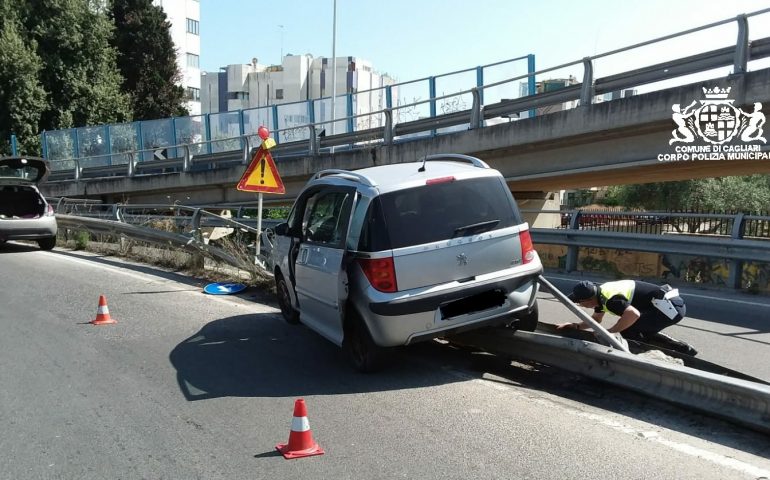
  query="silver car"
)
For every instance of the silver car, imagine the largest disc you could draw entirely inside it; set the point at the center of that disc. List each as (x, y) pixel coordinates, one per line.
(24, 212)
(392, 255)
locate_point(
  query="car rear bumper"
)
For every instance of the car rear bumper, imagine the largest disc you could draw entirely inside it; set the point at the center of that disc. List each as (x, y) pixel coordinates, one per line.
(27, 228)
(422, 317)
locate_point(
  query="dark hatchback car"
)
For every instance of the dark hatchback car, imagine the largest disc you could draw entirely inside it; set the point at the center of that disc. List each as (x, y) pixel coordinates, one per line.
(24, 212)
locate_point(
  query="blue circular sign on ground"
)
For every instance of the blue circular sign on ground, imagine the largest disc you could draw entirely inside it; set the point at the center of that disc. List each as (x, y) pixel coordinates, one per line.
(223, 288)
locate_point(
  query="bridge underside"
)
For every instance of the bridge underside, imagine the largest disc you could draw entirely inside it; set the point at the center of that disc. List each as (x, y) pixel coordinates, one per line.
(610, 143)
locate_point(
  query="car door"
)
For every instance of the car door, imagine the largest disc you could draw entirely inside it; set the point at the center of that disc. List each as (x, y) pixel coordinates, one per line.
(321, 284)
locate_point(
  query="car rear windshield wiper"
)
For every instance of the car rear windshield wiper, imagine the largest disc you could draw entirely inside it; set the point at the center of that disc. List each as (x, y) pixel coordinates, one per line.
(475, 228)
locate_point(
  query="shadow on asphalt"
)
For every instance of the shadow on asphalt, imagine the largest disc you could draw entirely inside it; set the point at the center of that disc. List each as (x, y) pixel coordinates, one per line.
(261, 356)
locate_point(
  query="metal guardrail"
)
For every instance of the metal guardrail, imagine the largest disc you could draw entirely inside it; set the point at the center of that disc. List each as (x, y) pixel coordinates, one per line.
(734, 247)
(737, 400)
(119, 220)
(725, 237)
(736, 56)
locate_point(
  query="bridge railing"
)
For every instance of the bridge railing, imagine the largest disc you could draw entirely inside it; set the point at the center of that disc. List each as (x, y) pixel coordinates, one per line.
(736, 238)
(421, 108)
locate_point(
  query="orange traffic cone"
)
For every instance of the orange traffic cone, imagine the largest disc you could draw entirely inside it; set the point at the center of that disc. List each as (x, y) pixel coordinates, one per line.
(102, 313)
(301, 443)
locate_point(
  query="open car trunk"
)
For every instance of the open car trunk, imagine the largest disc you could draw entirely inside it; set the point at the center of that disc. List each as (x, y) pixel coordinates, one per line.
(20, 201)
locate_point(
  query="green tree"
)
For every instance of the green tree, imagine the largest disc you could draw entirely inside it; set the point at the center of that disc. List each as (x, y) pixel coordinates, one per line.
(744, 193)
(22, 98)
(72, 39)
(147, 59)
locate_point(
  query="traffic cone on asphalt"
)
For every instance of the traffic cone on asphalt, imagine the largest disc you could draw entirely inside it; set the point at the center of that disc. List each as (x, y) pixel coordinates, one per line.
(301, 443)
(102, 313)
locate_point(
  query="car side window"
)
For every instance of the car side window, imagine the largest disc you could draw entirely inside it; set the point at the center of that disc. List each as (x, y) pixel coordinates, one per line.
(326, 218)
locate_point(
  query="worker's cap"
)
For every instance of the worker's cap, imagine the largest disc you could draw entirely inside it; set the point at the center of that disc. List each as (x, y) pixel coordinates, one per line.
(582, 291)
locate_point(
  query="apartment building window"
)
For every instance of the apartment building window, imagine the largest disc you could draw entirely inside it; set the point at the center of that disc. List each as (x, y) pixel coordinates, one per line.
(237, 95)
(193, 60)
(279, 93)
(193, 26)
(194, 94)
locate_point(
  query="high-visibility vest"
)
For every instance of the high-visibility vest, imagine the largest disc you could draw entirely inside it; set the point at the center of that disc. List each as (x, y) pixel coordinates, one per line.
(624, 288)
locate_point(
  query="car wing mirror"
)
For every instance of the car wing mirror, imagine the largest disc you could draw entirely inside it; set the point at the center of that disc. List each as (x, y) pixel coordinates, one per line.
(282, 229)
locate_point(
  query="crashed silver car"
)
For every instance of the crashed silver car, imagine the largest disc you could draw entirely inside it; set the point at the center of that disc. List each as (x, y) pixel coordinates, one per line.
(397, 254)
(24, 212)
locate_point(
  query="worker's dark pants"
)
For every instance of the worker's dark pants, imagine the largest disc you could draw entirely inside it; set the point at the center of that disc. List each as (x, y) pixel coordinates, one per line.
(652, 321)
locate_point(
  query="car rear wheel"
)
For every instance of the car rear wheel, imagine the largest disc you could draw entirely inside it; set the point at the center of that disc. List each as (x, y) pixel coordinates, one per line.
(526, 320)
(290, 314)
(362, 352)
(47, 243)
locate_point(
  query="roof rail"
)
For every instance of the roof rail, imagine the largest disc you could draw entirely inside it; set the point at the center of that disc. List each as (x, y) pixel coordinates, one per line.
(350, 175)
(454, 157)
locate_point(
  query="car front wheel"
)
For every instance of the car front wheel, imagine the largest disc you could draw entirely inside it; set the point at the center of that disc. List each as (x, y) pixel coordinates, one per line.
(47, 243)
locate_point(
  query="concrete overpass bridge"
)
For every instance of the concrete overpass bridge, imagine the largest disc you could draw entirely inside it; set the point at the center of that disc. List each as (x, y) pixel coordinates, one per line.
(594, 144)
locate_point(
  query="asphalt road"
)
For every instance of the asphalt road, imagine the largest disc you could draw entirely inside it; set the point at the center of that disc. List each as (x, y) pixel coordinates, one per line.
(189, 386)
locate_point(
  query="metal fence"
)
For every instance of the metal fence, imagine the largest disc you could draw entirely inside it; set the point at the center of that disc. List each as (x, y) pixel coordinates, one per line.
(187, 223)
(415, 109)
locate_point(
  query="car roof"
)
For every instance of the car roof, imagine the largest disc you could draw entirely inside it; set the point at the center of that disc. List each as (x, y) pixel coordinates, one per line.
(398, 176)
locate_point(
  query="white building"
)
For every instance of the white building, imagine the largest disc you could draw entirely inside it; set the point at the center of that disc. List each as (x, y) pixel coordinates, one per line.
(298, 78)
(184, 16)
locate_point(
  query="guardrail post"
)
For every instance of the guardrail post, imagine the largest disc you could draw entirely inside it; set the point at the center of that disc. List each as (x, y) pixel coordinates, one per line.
(432, 102)
(477, 119)
(77, 169)
(313, 147)
(198, 259)
(480, 82)
(741, 60)
(572, 250)
(246, 150)
(186, 160)
(735, 266)
(351, 120)
(531, 84)
(587, 88)
(277, 136)
(207, 126)
(388, 97)
(387, 137)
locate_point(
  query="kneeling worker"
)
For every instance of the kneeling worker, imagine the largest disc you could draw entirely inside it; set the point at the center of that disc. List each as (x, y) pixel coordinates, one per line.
(644, 310)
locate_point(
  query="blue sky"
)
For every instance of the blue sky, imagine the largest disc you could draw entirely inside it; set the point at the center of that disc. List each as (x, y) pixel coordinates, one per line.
(411, 39)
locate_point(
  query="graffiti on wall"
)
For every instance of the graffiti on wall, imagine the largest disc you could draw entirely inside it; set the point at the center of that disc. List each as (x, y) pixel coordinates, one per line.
(644, 265)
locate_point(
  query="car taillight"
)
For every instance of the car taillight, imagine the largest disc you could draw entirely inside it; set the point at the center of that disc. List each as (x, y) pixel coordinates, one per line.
(527, 249)
(49, 211)
(380, 272)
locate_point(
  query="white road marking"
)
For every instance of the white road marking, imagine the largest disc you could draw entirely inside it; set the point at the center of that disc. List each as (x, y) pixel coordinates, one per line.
(144, 277)
(643, 434)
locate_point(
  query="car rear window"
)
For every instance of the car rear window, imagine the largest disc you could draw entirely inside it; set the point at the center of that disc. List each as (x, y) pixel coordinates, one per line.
(436, 212)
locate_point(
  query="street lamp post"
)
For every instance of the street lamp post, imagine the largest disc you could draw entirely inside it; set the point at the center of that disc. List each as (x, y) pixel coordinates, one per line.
(334, 68)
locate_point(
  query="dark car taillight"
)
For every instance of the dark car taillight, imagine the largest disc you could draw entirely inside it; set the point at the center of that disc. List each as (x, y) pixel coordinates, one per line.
(527, 249)
(380, 272)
